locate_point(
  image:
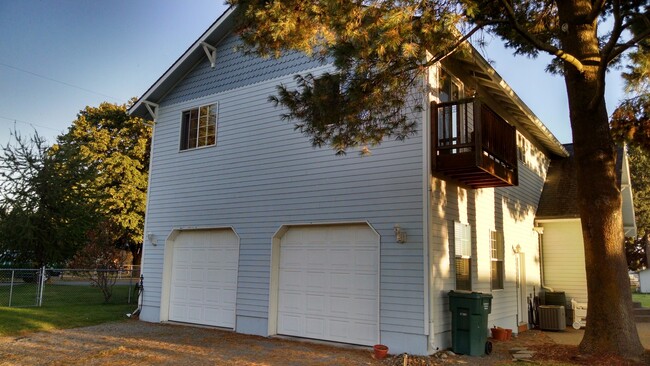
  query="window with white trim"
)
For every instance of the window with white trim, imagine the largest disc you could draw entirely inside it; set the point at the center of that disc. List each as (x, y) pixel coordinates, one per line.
(199, 127)
(463, 255)
(496, 259)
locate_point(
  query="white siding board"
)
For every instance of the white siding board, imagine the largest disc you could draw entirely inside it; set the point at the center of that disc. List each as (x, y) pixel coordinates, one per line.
(564, 257)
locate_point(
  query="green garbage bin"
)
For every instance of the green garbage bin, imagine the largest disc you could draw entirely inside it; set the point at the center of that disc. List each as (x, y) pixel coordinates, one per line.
(469, 319)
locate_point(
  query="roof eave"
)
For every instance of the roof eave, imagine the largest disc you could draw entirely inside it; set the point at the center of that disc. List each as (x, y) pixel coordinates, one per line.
(217, 31)
(490, 77)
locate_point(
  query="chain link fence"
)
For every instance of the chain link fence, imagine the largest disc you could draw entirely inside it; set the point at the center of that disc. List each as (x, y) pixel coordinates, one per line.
(21, 287)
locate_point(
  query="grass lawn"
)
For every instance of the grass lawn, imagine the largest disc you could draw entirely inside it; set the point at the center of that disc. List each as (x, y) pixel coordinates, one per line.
(64, 306)
(644, 299)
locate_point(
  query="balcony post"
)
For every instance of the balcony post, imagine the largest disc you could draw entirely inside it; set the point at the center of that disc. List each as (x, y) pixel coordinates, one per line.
(478, 130)
(433, 120)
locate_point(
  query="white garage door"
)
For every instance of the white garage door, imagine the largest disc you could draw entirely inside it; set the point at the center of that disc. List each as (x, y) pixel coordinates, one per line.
(328, 284)
(204, 278)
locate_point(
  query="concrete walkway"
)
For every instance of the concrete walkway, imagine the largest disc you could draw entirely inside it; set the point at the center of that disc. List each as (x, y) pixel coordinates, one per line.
(573, 337)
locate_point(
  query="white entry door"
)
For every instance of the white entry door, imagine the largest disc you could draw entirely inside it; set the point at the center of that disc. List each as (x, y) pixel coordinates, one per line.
(204, 278)
(329, 283)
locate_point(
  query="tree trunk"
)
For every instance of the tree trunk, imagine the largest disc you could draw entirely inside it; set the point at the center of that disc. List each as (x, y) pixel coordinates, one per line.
(611, 328)
(136, 252)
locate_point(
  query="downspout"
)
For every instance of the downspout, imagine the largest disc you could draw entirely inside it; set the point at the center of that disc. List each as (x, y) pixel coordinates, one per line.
(153, 110)
(426, 203)
(540, 232)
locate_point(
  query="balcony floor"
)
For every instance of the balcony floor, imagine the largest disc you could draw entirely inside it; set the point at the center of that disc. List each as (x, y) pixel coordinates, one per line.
(463, 168)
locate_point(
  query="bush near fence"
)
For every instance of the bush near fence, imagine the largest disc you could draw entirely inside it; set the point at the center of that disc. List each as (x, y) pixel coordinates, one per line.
(24, 287)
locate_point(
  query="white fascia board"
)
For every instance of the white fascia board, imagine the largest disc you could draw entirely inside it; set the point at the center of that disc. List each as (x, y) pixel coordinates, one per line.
(567, 219)
(497, 80)
(183, 59)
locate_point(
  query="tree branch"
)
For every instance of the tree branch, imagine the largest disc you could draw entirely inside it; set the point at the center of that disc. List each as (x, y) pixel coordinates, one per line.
(629, 44)
(449, 50)
(596, 8)
(617, 30)
(554, 51)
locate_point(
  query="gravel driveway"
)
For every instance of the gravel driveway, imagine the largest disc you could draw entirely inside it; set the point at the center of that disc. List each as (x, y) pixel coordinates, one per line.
(141, 343)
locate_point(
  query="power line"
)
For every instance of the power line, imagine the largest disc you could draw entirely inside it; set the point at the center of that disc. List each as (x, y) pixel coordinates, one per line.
(58, 81)
(34, 125)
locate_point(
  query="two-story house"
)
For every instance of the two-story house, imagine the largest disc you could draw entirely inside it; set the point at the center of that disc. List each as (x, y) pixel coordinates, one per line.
(250, 228)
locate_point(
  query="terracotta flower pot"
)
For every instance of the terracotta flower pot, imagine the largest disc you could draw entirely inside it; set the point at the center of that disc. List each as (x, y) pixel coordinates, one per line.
(509, 334)
(499, 334)
(380, 351)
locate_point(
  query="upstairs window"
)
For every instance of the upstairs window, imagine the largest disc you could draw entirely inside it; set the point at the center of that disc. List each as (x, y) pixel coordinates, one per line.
(199, 127)
(463, 249)
(496, 256)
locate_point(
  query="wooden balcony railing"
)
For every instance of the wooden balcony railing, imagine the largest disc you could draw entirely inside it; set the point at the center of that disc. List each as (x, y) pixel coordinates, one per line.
(487, 161)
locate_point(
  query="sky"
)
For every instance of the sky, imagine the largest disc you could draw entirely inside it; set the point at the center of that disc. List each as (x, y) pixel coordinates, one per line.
(59, 56)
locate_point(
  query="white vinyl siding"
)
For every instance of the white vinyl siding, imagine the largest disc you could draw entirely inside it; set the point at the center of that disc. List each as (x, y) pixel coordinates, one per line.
(564, 259)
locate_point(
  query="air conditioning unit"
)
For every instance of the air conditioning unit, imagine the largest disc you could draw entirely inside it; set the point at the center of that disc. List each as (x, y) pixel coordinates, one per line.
(552, 317)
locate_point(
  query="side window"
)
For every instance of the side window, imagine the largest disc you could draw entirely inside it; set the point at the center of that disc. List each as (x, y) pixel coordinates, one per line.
(463, 256)
(449, 89)
(496, 257)
(199, 127)
(522, 148)
(455, 122)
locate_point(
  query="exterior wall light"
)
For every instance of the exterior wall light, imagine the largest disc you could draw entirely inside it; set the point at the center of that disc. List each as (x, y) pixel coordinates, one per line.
(400, 234)
(152, 239)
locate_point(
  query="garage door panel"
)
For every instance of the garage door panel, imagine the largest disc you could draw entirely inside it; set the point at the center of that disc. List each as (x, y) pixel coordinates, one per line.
(340, 282)
(204, 278)
(315, 303)
(314, 258)
(314, 327)
(328, 284)
(291, 323)
(292, 302)
(340, 258)
(315, 281)
(364, 284)
(229, 298)
(292, 280)
(365, 260)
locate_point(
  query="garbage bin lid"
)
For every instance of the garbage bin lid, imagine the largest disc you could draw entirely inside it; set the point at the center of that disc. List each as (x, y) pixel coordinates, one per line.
(469, 294)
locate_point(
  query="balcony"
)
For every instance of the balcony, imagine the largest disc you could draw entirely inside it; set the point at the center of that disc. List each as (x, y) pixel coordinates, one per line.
(458, 155)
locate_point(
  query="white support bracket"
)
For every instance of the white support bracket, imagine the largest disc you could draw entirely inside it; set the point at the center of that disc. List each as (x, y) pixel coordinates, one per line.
(211, 52)
(152, 108)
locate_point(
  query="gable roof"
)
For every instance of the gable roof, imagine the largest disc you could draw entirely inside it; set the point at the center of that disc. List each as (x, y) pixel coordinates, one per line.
(559, 199)
(184, 64)
(479, 68)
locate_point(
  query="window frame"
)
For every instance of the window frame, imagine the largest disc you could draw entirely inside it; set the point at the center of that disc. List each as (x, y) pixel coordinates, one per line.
(463, 254)
(184, 143)
(497, 260)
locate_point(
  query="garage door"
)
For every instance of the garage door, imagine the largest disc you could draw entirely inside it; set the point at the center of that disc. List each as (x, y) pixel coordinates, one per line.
(328, 284)
(204, 278)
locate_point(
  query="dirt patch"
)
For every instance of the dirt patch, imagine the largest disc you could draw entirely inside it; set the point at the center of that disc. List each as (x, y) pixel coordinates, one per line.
(136, 342)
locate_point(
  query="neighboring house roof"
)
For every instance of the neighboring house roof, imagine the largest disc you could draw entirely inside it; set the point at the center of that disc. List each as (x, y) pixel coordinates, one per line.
(477, 66)
(559, 198)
